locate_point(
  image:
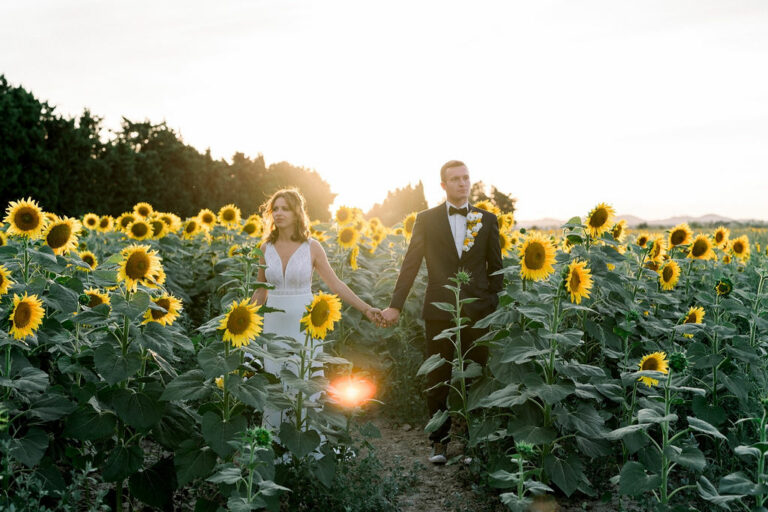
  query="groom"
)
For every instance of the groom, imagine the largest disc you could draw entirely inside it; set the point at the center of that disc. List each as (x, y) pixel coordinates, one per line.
(440, 235)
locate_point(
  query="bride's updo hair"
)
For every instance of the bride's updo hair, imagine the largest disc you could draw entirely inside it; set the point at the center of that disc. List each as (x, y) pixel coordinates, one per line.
(297, 205)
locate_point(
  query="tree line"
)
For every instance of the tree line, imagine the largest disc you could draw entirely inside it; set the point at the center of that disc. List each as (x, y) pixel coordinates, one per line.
(70, 168)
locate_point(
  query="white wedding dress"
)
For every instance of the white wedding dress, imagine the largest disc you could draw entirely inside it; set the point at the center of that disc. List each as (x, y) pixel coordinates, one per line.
(292, 294)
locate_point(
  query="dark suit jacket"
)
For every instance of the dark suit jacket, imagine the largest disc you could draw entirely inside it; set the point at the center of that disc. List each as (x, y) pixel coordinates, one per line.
(432, 239)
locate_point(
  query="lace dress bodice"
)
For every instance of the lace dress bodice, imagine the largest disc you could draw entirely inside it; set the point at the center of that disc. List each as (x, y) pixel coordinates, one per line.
(297, 279)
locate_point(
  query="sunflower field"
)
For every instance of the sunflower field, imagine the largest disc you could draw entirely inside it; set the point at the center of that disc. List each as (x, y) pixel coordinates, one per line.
(625, 365)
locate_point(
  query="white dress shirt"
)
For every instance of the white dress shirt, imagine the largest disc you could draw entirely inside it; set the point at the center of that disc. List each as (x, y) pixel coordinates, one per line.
(458, 226)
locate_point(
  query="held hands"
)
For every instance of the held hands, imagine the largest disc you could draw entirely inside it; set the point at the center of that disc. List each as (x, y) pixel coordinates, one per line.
(390, 317)
(374, 315)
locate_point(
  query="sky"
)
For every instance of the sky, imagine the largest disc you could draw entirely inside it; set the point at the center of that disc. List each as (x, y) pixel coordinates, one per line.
(656, 107)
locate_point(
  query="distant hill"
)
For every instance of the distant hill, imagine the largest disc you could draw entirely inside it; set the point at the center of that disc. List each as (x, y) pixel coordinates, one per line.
(634, 221)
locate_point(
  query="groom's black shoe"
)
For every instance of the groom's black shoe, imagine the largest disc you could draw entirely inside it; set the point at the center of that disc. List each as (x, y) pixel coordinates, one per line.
(439, 451)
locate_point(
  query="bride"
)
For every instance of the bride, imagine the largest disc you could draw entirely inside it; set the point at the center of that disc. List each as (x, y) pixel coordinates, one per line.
(291, 257)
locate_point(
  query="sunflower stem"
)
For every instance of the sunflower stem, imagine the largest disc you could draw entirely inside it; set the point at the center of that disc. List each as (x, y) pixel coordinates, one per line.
(224, 386)
(760, 498)
(715, 350)
(25, 260)
(752, 322)
(665, 467)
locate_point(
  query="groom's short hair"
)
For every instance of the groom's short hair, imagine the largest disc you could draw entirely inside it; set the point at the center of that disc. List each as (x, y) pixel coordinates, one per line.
(447, 165)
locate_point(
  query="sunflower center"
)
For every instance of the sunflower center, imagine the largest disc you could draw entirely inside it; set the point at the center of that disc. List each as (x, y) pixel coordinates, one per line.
(346, 236)
(207, 218)
(228, 215)
(94, 300)
(89, 260)
(163, 303)
(191, 226)
(738, 247)
(27, 218)
(651, 364)
(91, 221)
(139, 229)
(320, 313)
(699, 248)
(575, 280)
(250, 228)
(137, 265)
(126, 220)
(157, 227)
(104, 223)
(534, 256)
(667, 273)
(677, 237)
(22, 315)
(143, 211)
(599, 218)
(690, 319)
(58, 236)
(239, 320)
(642, 241)
(719, 237)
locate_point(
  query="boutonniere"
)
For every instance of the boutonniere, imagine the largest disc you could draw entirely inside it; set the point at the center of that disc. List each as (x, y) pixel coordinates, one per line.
(473, 228)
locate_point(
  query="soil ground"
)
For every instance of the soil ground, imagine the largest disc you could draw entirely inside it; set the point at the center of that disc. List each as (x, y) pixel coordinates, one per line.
(449, 488)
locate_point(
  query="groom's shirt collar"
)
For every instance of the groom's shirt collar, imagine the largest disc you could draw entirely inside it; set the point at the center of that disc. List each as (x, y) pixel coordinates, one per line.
(448, 205)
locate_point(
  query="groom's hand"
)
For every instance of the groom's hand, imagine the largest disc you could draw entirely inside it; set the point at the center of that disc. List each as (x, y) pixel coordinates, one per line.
(390, 316)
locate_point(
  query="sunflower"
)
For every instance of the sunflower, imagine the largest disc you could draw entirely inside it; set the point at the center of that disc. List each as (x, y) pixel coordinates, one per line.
(740, 247)
(229, 215)
(375, 223)
(724, 287)
(399, 232)
(61, 235)
(353, 254)
(658, 248)
(125, 220)
(171, 220)
(344, 215)
(322, 312)
(159, 228)
(726, 258)
(505, 241)
(653, 362)
(701, 248)
(680, 235)
(348, 237)
(25, 218)
(106, 223)
(233, 249)
(488, 206)
(192, 228)
(252, 228)
(408, 224)
(206, 218)
(139, 265)
(579, 281)
(89, 258)
(537, 254)
(506, 221)
(27, 315)
(143, 209)
(91, 221)
(695, 315)
(619, 231)
(3, 239)
(50, 217)
(139, 230)
(669, 275)
(599, 220)
(721, 236)
(5, 280)
(642, 239)
(170, 304)
(96, 297)
(242, 323)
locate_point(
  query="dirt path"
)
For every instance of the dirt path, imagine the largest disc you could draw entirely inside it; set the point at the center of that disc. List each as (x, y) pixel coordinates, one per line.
(448, 488)
(439, 487)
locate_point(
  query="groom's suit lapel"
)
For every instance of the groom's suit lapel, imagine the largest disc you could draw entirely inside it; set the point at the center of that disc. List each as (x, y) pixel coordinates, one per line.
(444, 233)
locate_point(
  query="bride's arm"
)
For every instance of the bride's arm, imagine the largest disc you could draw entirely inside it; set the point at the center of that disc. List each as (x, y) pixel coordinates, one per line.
(260, 295)
(336, 285)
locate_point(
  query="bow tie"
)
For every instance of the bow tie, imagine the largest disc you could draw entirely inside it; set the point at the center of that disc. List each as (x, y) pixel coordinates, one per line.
(461, 211)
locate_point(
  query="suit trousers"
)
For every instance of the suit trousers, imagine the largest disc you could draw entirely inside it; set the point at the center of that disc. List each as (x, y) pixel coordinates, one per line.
(437, 398)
